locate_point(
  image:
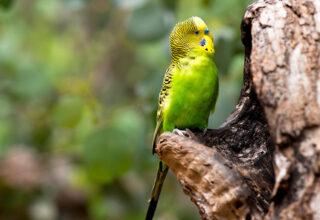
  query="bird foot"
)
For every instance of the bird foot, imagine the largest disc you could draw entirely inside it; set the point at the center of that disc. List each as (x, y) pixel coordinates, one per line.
(186, 133)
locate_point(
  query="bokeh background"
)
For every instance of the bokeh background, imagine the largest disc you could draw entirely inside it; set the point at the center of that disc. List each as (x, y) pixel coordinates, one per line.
(79, 81)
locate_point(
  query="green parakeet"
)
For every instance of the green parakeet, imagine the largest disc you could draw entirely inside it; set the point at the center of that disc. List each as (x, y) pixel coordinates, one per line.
(190, 88)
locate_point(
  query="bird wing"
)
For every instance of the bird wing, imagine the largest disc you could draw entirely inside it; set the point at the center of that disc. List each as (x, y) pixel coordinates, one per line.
(156, 134)
(163, 98)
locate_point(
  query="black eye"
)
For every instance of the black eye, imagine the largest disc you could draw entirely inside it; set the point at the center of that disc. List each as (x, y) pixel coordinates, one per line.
(196, 32)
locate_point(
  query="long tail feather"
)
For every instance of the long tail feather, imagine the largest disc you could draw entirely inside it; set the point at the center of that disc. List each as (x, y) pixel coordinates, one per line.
(161, 175)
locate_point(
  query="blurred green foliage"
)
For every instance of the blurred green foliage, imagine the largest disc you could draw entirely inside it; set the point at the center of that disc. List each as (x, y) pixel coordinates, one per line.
(79, 83)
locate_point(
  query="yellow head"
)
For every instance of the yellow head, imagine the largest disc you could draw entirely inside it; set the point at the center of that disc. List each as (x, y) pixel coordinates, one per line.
(191, 35)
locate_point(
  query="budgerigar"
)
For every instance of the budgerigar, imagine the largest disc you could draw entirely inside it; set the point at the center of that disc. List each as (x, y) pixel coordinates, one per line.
(189, 91)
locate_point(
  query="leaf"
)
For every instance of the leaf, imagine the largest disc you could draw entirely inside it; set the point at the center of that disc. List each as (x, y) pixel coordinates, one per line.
(68, 112)
(108, 152)
(6, 4)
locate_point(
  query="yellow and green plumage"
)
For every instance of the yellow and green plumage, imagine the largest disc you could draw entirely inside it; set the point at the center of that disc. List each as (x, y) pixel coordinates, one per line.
(189, 90)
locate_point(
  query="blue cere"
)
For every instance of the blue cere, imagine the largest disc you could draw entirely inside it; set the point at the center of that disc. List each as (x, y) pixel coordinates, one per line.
(203, 42)
(206, 31)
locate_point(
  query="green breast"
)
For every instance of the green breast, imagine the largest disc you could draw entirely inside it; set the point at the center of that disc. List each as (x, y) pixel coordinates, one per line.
(193, 94)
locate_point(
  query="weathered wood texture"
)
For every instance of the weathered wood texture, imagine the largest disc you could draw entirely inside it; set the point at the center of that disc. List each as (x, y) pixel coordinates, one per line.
(264, 161)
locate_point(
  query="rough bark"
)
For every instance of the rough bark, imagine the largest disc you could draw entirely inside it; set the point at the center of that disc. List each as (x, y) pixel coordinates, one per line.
(264, 161)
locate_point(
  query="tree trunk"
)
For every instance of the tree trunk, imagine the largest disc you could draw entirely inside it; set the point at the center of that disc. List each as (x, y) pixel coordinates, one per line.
(264, 161)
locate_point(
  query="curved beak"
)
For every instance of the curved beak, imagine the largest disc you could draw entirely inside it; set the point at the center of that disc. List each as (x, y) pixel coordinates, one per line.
(207, 43)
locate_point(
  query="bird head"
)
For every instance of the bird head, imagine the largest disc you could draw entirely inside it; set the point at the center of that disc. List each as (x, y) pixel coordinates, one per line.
(191, 35)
